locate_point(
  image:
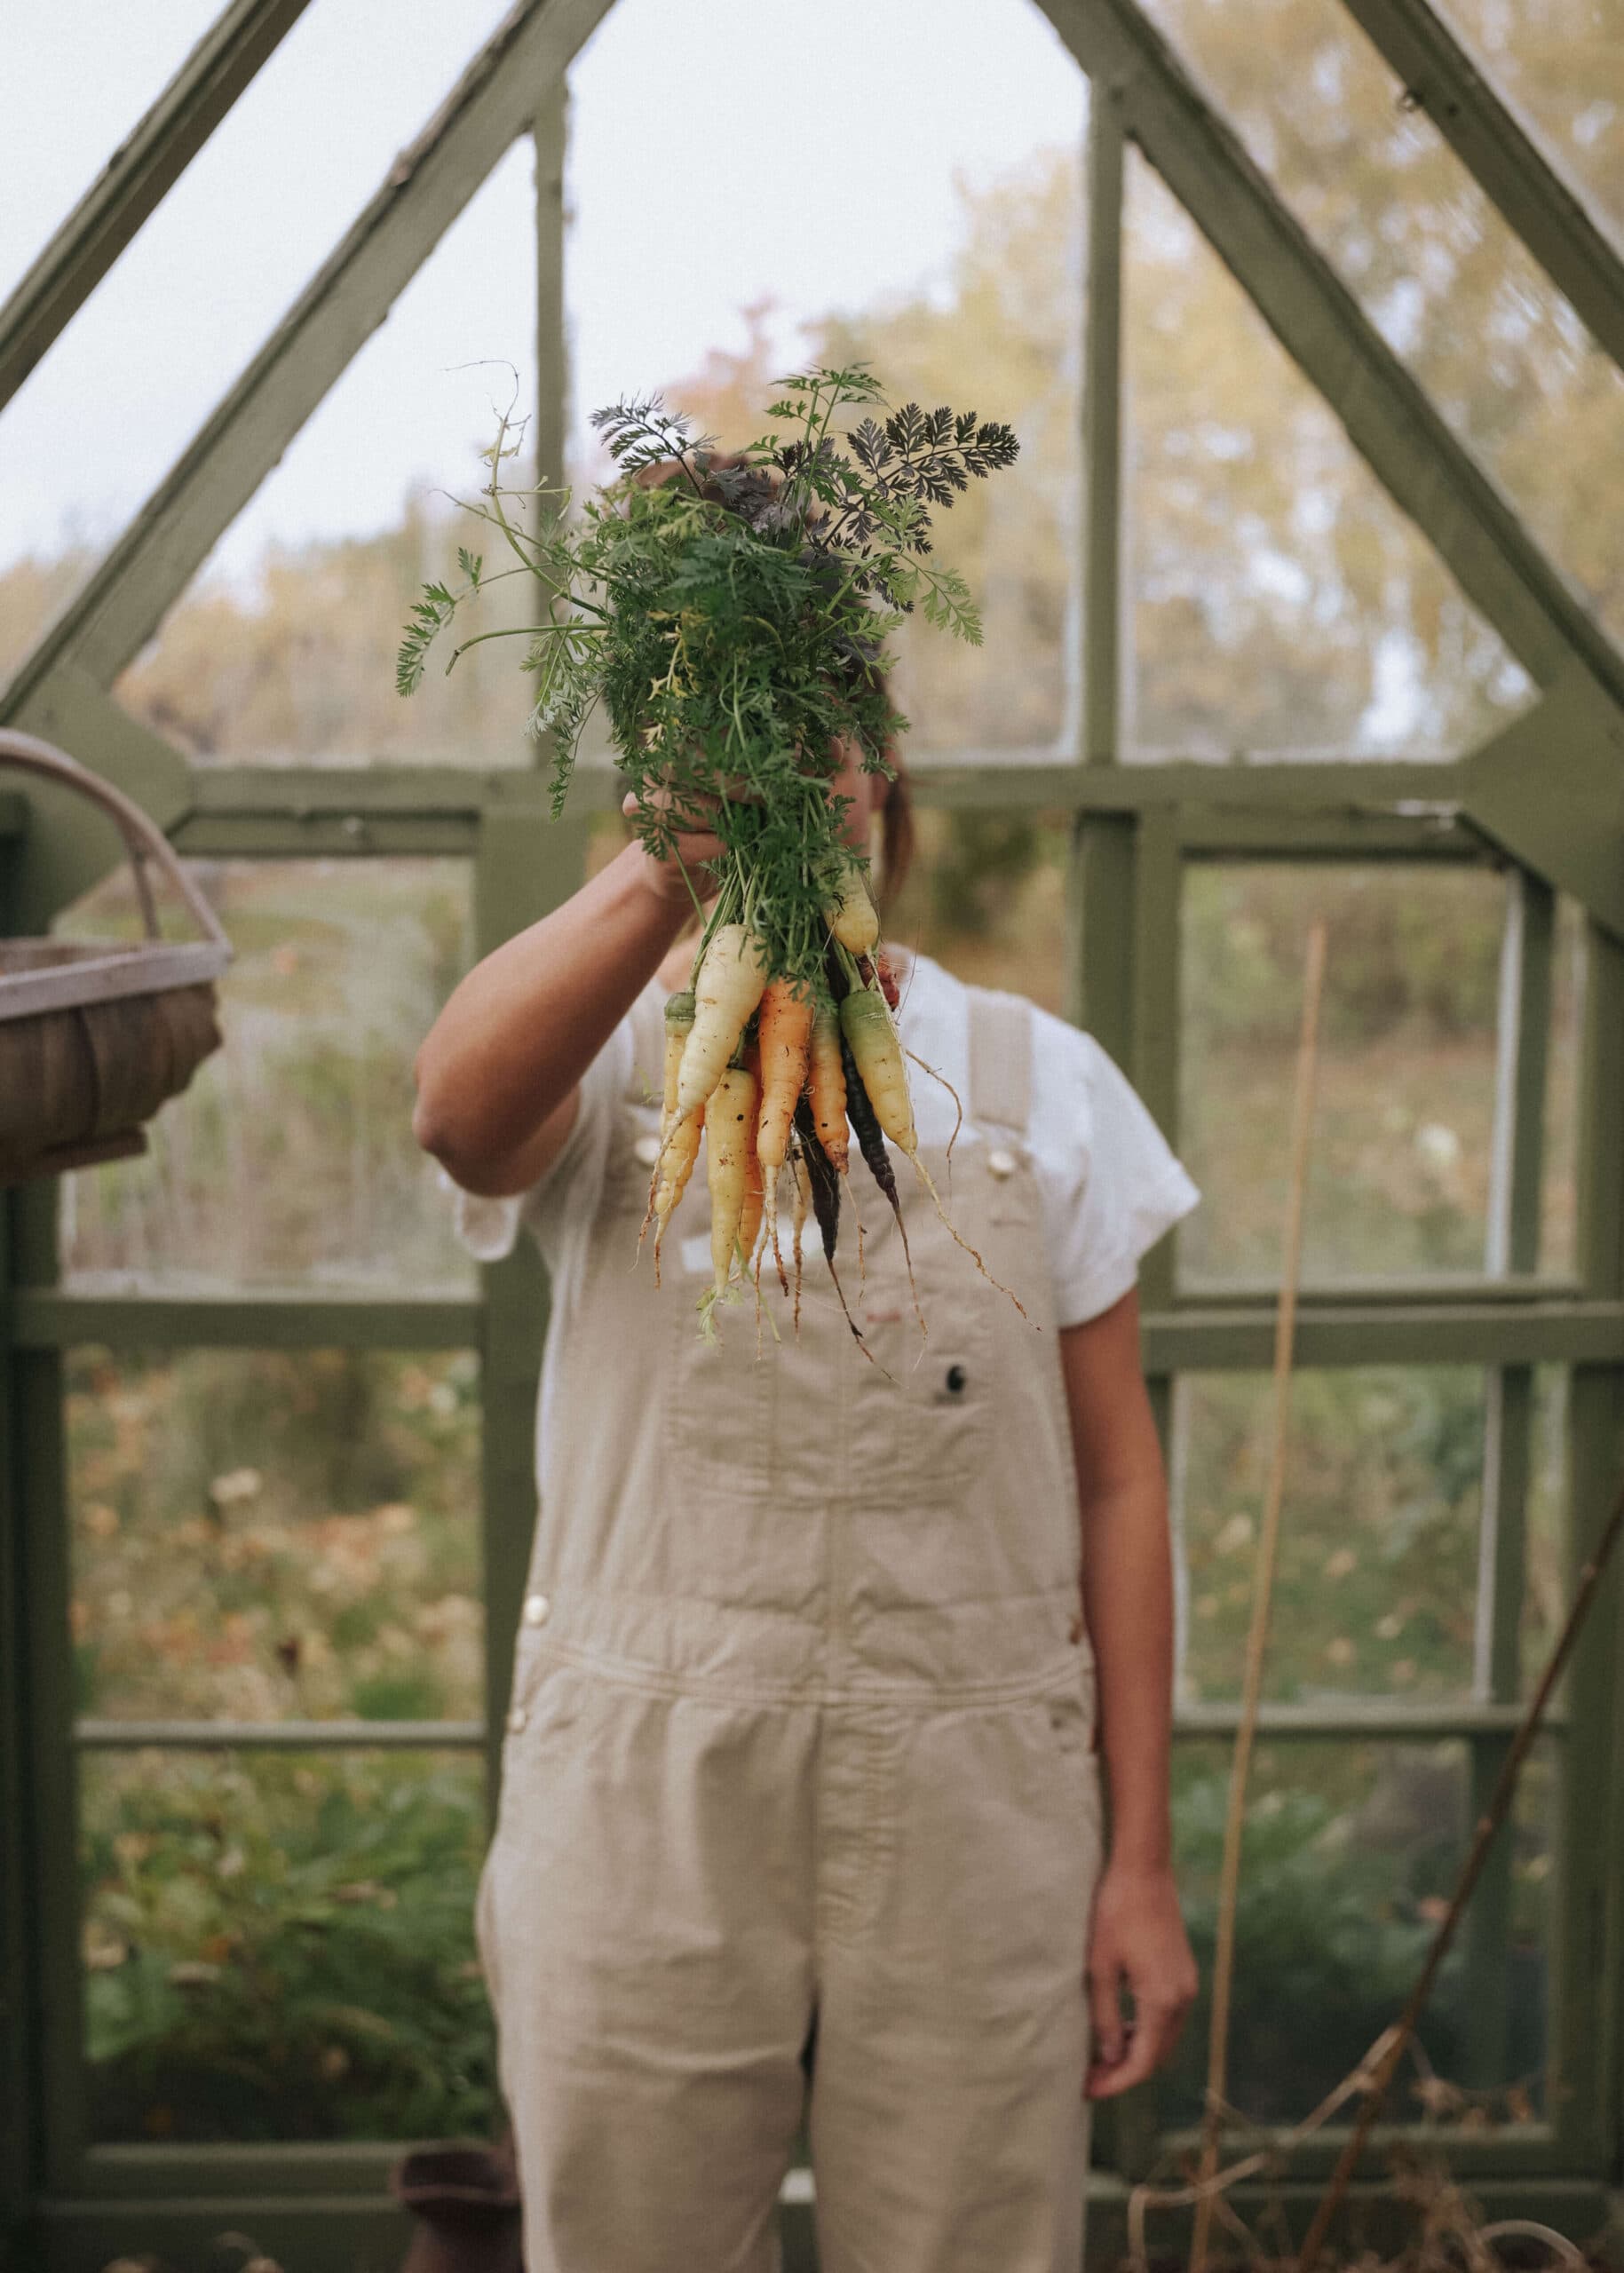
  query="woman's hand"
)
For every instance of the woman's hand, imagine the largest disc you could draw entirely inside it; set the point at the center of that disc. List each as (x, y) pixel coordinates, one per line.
(693, 848)
(1137, 1940)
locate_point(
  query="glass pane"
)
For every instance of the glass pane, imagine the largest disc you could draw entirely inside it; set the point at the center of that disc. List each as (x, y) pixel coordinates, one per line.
(1446, 281)
(1558, 1221)
(1561, 67)
(986, 897)
(231, 246)
(289, 1158)
(85, 113)
(1375, 1583)
(282, 651)
(32, 590)
(949, 256)
(270, 1535)
(280, 1946)
(1352, 1853)
(1404, 1101)
(1282, 603)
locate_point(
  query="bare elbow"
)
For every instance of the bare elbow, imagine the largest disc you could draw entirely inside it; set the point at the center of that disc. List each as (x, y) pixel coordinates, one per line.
(427, 1131)
(432, 1126)
(457, 1149)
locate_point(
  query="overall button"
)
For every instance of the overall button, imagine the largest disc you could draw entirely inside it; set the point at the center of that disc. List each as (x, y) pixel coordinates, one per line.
(955, 1378)
(517, 1718)
(647, 1150)
(1000, 1162)
(536, 1607)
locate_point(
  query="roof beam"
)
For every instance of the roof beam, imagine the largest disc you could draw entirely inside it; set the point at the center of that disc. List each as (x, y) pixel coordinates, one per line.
(1388, 415)
(118, 609)
(136, 178)
(1550, 215)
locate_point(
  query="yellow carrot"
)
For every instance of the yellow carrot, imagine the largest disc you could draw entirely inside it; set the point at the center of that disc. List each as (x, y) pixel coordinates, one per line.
(784, 1035)
(851, 917)
(865, 1020)
(676, 1164)
(754, 1201)
(725, 992)
(826, 1086)
(729, 1125)
(679, 1026)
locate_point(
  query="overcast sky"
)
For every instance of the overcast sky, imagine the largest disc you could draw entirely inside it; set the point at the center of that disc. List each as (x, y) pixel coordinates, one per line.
(721, 150)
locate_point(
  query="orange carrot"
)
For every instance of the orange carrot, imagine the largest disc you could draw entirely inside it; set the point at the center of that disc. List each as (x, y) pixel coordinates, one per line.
(785, 1033)
(755, 1195)
(826, 1086)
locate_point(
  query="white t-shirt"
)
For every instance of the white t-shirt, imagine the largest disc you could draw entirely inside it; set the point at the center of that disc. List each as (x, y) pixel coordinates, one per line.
(1110, 1184)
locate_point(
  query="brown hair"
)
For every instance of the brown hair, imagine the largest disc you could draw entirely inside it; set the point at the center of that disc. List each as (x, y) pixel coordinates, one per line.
(897, 832)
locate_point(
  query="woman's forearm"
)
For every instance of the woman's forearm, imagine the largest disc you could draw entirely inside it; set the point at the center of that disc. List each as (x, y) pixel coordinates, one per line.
(1127, 1572)
(518, 1030)
(1128, 1591)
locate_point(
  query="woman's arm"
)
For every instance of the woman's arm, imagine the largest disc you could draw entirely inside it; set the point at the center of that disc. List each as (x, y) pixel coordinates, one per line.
(1138, 1935)
(498, 1072)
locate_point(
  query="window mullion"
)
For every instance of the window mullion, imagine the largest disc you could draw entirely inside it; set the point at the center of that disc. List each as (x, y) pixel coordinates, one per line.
(53, 1888)
(1590, 1983)
(1511, 1248)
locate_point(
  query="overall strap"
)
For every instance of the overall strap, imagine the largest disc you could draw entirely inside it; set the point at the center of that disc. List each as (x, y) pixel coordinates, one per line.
(1000, 1060)
(647, 1016)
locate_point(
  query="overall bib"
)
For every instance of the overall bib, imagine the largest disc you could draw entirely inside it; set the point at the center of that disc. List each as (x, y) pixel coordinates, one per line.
(798, 1779)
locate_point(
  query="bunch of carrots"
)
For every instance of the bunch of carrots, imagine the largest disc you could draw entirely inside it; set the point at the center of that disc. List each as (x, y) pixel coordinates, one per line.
(776, 1072)
(728, 613)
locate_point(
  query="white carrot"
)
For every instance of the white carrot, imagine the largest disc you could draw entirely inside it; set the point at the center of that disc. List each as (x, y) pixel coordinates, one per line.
(727, 989)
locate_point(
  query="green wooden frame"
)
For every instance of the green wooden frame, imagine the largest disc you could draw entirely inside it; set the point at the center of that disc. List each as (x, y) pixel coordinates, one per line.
(1544, 802)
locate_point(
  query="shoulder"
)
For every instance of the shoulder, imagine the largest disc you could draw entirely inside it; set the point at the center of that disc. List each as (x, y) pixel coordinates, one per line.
(1063, 1062)
(929, 990)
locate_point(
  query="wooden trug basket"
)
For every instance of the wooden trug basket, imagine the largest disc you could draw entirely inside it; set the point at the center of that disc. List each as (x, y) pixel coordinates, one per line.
(94, 1036)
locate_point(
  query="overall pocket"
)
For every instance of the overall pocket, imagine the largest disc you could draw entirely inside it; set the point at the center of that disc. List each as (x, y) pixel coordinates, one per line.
(1071, 1713)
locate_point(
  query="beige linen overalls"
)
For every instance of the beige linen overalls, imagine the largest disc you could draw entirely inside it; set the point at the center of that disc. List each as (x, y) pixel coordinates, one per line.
(802, 1731)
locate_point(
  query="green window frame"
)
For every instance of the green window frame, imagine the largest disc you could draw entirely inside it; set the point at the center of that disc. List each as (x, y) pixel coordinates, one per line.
(1540, 802)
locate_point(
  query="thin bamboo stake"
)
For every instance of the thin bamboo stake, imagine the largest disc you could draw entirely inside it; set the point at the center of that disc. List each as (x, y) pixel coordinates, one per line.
(1488, 1824)
(1262, 1588)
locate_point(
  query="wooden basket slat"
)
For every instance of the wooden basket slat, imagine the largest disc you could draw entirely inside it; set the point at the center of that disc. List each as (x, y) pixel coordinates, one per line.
(68, 1076)
(98, 972)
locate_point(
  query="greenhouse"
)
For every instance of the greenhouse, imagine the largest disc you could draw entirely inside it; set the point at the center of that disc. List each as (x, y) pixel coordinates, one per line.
(1303, 636)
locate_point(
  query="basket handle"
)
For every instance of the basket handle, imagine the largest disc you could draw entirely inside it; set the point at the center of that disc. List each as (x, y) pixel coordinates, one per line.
(143, 838)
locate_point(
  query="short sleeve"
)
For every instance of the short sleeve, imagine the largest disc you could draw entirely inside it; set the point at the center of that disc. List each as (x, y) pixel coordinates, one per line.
(488, 1225)
(1113, 1184)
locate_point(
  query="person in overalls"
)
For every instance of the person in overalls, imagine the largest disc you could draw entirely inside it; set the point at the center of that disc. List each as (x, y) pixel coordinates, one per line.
(801, 1808)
